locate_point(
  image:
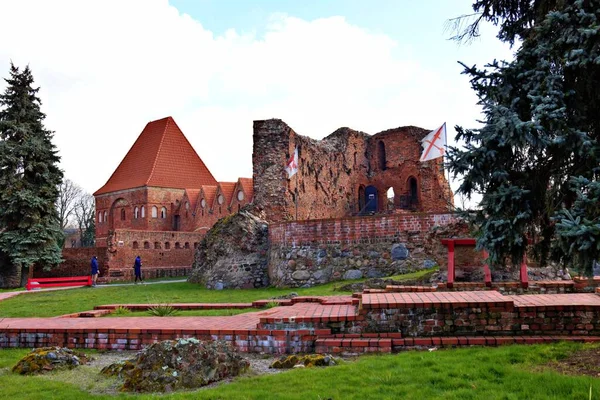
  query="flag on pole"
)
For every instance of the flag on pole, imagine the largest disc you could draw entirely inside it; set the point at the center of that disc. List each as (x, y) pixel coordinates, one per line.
(434, 144)
(292, 165)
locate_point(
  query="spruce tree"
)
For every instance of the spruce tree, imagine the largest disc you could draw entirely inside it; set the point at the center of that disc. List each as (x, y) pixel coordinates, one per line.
(29, 177)
(535, 161)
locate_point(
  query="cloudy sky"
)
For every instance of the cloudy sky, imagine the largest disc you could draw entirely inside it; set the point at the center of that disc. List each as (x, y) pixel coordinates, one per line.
(106, 68)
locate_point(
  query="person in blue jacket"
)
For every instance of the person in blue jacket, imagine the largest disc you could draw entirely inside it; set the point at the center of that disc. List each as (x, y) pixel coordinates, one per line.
(94, 266)
(137, 266)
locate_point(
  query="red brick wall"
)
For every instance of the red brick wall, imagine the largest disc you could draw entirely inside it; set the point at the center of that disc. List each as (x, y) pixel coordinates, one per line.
(122, 254)
(76, 263)
(332, 171)
(113, 203)
(354, 229)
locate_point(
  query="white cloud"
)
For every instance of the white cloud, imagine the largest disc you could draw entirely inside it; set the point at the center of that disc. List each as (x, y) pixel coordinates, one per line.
(107, 68)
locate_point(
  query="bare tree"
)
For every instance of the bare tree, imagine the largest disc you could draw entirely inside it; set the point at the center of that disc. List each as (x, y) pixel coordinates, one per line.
(84, 215)
(68, 197)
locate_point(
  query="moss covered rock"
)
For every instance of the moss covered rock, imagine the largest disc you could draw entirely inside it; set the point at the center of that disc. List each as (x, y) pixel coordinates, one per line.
(181, 364)
(47, 359)
(309, 360)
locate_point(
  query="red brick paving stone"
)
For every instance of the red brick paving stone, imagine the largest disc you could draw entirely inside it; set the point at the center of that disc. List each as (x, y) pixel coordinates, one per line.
(436, 299)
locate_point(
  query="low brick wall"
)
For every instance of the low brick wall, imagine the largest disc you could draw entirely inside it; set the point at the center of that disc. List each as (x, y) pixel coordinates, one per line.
(499, 315)
(76, 263)
(247, 341)
(306, 253)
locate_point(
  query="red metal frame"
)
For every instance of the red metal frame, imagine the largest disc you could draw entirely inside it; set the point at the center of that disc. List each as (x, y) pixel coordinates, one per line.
(58, 282)
(450, 243)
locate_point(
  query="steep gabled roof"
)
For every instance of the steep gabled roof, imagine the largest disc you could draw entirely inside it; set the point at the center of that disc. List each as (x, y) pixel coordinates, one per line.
(208, 192)
(226, 189)
(161, 157)
(192, 195)
(248, 187)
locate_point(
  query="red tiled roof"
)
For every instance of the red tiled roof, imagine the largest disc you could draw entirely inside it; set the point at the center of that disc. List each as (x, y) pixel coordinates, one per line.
(248, 187)
(208, 192)
(162, 157)
(227, 188)
(192, 195)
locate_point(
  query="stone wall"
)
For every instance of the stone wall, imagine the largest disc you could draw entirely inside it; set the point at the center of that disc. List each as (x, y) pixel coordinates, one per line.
(335, 172)
(233, 254)
(306, 253)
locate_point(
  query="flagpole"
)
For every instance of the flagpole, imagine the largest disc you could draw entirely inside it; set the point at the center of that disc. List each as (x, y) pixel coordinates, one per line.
(297, 192)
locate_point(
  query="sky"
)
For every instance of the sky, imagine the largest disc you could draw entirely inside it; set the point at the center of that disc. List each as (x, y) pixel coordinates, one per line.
(107, 68)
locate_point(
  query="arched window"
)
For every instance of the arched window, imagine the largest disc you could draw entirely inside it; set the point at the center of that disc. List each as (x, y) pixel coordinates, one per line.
(167, 245)
(381, 155)
(220, 199)
(143, 212)
(135, 245)
(105, 216)
(413, 190)
(157, 245)
(99, 217)
(163, 212)
(361, 198)
(240, 196)
(154, 212)
(136, 212)
(146, 245)
(187, 205)
(122, 214)
(202, 203)
(390, 198)
(177, 245)
(186, 245)
(195, 245)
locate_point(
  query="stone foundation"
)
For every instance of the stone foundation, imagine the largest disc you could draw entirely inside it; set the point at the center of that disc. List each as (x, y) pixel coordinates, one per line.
(307, 253)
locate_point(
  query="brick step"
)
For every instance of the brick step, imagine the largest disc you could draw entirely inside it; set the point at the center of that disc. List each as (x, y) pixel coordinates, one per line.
(405, 289)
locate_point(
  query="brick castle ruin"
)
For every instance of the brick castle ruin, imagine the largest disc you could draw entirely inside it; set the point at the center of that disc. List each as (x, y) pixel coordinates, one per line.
(162, 199)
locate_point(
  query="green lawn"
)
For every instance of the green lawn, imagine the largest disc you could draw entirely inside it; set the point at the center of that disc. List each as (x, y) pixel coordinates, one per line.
(190, 313)
(60, 302)
(509, 372)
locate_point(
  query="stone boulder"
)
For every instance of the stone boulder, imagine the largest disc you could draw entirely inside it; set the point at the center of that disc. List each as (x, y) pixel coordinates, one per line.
(47, 359)
(179, 364)
(309, 360)
(233, 253)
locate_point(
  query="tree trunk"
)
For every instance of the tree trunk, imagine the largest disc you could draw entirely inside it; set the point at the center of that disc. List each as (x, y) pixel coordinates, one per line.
(10, 275)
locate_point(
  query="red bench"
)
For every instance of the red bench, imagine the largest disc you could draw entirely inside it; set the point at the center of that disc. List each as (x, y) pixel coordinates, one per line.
(34, 283)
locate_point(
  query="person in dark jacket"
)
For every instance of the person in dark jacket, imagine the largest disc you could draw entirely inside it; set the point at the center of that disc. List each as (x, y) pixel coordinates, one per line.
(137, 266)
(94, 266)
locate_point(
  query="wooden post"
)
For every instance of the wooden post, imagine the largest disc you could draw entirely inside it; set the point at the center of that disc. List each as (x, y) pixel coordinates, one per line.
(523, 273)
(451, 263)
(486, 271)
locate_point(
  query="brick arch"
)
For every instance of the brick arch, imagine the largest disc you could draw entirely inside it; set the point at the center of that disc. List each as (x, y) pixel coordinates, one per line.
(115, 212)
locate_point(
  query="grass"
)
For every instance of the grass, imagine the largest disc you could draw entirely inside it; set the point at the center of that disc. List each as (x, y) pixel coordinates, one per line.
(190, 313)
(508, 372)
(60, 302)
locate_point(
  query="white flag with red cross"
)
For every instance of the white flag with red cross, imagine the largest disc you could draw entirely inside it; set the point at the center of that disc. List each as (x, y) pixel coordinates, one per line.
(434, 144)
(292, 165)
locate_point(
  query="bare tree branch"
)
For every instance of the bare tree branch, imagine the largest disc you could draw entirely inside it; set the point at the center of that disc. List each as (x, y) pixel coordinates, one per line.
(84, 215)
(68, 196)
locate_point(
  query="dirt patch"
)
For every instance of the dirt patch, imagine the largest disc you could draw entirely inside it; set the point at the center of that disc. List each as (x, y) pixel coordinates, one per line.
(88, 377)
(582, 362)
